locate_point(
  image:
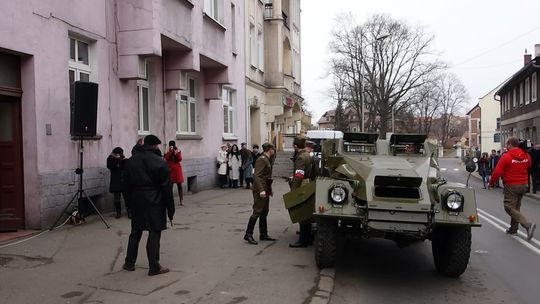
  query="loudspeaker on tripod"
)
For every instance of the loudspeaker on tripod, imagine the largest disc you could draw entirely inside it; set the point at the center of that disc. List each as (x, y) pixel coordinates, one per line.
(83, 103)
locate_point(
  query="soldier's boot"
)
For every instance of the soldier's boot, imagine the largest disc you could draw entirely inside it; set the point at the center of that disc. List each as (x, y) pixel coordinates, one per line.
(249, 231)
(305, 236)
(118, 209)
(263, 230)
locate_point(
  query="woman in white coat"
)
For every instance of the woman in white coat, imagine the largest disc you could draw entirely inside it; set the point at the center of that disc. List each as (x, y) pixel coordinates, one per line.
(235, 161)
(222, 169)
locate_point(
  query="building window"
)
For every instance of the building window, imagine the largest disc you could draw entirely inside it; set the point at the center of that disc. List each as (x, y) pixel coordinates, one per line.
(233, 29)
(514, 98)
(527, 91)
(498, 123)
(260, 47)
(212, 9)
(520, 93)
(534, 87)
(252, 45)
(228, 111)
(144, 108)
(497, 137)
(79, 62)
(186, 109)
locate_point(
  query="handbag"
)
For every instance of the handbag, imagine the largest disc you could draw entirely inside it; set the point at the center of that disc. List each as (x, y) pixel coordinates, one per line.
(218, 165)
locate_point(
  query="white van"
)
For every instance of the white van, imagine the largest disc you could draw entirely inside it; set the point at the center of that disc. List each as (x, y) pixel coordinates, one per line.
(318, 136)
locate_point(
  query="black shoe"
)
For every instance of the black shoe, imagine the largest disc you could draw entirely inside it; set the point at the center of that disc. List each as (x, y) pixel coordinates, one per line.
(530, 231)
(118, 215)
(129, 214)
(508, 231)
(128, 267)
(298, 245)
(266, 237)
(161, 270)
(249, 238)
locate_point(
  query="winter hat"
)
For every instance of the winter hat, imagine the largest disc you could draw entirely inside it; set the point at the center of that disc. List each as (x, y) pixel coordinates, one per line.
(118, 150)
(151, 140)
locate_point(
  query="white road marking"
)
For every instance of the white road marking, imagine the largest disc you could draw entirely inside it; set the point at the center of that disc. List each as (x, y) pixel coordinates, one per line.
(456, 169)
(443, 169)
(497, 224)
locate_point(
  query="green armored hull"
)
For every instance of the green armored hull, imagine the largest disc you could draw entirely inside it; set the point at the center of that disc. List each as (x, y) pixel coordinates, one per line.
(389, 189)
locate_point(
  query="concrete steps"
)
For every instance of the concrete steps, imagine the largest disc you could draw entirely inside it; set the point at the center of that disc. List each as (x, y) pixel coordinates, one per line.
(283, 164)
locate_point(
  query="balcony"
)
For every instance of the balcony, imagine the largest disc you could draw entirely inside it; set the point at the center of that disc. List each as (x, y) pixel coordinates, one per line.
(288, 82)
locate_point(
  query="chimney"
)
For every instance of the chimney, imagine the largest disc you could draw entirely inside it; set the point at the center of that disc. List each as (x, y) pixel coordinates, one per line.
(527, 59)
(536, 50)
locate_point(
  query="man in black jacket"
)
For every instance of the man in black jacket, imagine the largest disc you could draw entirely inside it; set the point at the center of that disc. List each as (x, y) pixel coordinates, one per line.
(115, 163)
(149, 190)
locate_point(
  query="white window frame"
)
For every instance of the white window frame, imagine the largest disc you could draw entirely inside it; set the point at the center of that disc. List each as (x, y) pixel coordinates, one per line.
(76, 65)
(260, 48)
(252, 45)
(515, 101)
(141, 85)
(213, 10)
(527, 90)
(188, 96)
(534, 87)
(228, 98)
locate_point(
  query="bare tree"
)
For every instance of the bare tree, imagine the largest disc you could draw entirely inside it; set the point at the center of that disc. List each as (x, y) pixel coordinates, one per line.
(382, 60)
(340, 90)
(452, 97)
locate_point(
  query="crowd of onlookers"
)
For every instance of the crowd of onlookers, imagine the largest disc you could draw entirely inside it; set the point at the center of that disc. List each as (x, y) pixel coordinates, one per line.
(235, 166)
(487, 162)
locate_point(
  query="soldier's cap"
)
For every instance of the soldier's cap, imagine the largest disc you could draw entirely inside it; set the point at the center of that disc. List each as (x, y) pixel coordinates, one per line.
(310, 143)
(151, 140)
(267, 146)
(300, 142)
(243, 144)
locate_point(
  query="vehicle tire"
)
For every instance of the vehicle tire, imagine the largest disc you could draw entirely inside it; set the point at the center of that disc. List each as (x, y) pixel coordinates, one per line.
(326, 243)
(451, 247)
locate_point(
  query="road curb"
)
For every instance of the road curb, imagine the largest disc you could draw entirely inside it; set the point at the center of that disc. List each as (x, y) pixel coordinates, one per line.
(325, 286)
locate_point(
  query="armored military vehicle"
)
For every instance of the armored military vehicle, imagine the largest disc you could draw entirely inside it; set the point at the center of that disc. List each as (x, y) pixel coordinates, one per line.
(391, 189)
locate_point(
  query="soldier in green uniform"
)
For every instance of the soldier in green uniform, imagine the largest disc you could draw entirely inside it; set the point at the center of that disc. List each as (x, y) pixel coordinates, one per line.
(262, 190)
(301, 175)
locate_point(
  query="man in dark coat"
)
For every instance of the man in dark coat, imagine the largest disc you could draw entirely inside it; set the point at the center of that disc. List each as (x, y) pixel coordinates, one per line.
(150, 195)
(262, 190)
(115, 163)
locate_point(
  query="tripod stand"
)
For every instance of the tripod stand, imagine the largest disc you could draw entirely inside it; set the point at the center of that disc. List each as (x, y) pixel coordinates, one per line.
(79, 194)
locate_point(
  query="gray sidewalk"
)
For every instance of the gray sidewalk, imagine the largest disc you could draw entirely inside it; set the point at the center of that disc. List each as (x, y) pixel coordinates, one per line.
(209, 260)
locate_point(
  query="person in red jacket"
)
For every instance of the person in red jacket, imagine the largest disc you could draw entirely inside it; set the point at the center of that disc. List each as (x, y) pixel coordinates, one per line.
(173, 158)
(513, 167)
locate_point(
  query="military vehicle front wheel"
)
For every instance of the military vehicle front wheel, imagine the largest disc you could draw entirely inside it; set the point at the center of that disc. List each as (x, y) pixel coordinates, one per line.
(326, 243)
(451, 247)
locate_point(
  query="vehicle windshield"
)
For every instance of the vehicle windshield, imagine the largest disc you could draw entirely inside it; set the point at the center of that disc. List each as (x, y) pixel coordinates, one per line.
(359, 148)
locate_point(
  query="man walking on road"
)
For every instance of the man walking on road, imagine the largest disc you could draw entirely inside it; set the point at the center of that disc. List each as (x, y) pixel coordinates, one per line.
(513, 167)
(150, 195)
(262, 190)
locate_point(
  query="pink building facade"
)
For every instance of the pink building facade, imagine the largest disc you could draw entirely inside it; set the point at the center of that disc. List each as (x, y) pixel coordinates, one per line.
(173, 68)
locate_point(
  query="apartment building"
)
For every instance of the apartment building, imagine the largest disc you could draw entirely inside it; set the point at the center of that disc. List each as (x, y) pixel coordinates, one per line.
(520, 109)
(173, 68)
(273, 74)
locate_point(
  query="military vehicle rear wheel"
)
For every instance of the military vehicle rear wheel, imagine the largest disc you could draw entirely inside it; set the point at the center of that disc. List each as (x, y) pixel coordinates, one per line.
(451, 247)
(326, 243)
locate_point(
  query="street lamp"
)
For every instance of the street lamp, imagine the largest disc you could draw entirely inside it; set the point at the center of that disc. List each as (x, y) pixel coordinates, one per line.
(377, 39)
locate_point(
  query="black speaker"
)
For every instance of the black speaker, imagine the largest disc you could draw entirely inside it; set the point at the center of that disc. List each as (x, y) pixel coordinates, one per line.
(84, 96)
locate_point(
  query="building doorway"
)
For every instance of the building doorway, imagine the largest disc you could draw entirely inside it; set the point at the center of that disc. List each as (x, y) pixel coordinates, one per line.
(11, 164)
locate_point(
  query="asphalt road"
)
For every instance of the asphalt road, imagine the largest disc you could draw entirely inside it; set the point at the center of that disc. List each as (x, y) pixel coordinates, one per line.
(502, 268)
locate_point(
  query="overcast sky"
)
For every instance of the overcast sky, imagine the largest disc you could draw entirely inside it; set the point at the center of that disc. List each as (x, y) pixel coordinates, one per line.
(482, 40)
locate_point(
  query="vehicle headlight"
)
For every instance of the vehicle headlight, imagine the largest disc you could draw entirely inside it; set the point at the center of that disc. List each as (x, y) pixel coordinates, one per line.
(338, 193)
(454, 200)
